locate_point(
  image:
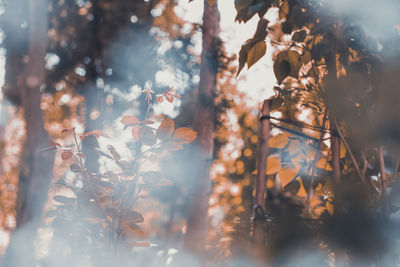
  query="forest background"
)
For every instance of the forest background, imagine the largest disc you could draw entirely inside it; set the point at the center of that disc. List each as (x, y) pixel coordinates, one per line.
(131, 133)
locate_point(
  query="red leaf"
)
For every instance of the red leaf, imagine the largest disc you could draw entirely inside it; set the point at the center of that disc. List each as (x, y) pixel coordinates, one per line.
(185, 135)
(66, 155)
(129, 120)
(166, 129)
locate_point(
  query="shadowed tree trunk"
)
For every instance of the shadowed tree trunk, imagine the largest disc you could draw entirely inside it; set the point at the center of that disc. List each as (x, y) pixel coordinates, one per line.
(36, 172)
(204, 124)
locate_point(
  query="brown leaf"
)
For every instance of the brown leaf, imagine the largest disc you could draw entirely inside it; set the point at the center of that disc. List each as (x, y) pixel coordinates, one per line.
(166, 129)
(185, 135)
(113, 152)
(75, 168)
(172, 145)
(256, 53)
(147, 136)
(286, 175)
(66, 155)
(133, 216)
(135, 133)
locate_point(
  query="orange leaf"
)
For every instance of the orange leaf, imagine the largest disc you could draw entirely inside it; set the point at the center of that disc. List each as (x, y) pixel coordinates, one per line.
(96, 133)
(135, 132)
(66, 155)
(185, 135)
(166, 129)
(129, 120)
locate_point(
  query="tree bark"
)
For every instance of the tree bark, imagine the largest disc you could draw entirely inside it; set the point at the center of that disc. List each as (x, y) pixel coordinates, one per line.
(204, 124)
(37, 169)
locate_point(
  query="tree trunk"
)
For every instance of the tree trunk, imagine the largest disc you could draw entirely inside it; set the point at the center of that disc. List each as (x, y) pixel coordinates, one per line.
(204, 124)
(37, 170)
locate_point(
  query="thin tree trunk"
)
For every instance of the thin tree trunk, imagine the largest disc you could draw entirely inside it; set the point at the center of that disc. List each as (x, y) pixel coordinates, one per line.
(37, 171)
(262, 154)
(204, 124)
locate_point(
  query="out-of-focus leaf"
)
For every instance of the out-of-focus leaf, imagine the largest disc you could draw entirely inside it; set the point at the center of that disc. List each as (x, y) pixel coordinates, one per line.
(66, 155)
(299, 36)
(273, 165)
(75, 168)
(166, 129)
(133, 216)
(64, 199)
(302, 191)
(283, 10)
(330, 208)
(113, 152)
(96, 133)
(286, 175)
(129, 120)
(256, 53)
(279, 141)
(324, 164)
(147, 135)
(185, 135)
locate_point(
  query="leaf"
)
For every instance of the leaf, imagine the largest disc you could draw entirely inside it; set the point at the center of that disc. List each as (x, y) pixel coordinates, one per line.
(279, 141)
(75, 168)
(113, 152)
(342, 150)
(281, 67)
(165, 182)
(66, 155)
(147, 135)
(64, 200)
(299, 36)
(133, 216)
(132, 226)
(324, 164)
(211, 2)
(96, 133)
(256, 53)
(166, 129)
(273, 165)
(172, 145)
(283, 10)
(129, 120)
(185, 135)
(52, 143)
(135, 133)
(286, 175)
(293, 147)
(242, 59)
(302, 191)
(142, 244)
(329, 206)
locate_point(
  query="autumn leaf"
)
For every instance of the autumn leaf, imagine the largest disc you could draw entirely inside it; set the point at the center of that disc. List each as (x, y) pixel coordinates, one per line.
(286, 175)
(273, 165)
(324, 164)
(96, 133)
(133, 216)
(256, 53)
(330, 208)
(129, 120)
(147, 136)
(166, 129)
(66, 155)
(75, 168)
(142, 244)
(302, 191)
(135, 133)
(185, 135)
(279, 141)
(113, 152)
(172, 145)
(64, 200)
